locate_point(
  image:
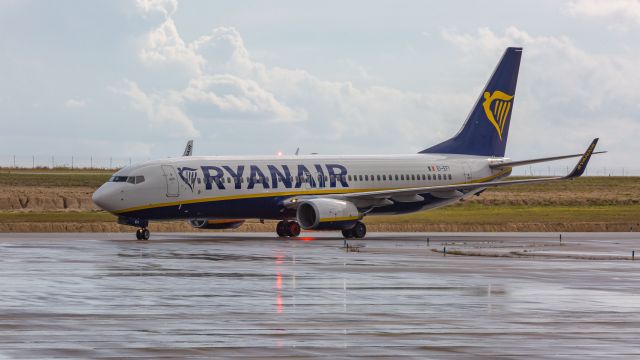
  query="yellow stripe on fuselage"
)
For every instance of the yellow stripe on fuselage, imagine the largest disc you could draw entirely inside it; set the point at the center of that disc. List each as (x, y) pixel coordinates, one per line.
(287, 193)
(344, 218)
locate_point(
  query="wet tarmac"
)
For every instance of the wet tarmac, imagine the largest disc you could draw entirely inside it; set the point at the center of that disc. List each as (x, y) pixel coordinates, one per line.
(250, 295)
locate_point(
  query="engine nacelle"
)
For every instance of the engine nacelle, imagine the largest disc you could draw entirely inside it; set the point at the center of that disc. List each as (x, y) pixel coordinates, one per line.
(327, 214)
(215, 223)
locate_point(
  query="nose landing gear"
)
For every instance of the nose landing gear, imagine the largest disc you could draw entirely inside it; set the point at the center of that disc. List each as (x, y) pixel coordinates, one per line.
(143, 234)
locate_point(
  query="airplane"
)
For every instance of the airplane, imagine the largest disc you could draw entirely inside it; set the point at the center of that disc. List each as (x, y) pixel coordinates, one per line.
(318, 192)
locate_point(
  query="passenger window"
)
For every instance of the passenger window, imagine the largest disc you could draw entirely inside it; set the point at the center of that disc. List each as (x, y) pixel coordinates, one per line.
(439, 177)
(413, 177)
(378, 177)
(198, 179)
(366, 177)
(396, 177)
(428, 176)
(449, 176)
(349, 177)
(384, 177)
(402, 177)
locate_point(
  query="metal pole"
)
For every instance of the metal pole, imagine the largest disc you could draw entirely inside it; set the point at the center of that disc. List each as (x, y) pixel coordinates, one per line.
(53, 162)
(91, 162)
(72, 163)
(33, 161)
(110, 163)
(14, 161)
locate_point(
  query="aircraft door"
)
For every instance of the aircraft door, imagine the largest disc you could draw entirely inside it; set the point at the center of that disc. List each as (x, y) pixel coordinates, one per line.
(467, 172)
(173, 188)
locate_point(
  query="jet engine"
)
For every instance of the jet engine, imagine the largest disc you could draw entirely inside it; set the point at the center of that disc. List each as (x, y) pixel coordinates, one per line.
(215, 223)
(327, 214)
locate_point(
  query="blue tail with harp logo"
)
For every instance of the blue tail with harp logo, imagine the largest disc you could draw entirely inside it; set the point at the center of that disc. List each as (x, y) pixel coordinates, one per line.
(486, 129)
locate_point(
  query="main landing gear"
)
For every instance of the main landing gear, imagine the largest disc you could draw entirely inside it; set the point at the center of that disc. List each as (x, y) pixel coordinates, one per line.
(358, 231)
(143, 234)
(288, 228)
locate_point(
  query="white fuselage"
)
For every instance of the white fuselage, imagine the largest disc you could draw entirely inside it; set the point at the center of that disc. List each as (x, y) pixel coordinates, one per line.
(254, 187)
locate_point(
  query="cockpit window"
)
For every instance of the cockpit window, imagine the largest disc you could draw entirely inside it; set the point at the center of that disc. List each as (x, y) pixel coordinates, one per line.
(118, 179)
(135, 179)
(129, 179)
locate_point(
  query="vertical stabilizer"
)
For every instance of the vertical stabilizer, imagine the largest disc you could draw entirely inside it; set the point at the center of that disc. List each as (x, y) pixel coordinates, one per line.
(486, 129)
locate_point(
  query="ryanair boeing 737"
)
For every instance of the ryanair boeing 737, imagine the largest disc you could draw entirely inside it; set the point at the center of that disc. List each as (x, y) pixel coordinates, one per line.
(328, 192)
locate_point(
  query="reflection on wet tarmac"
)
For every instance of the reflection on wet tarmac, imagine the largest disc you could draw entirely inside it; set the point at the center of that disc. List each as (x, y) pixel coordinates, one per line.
(205, 295)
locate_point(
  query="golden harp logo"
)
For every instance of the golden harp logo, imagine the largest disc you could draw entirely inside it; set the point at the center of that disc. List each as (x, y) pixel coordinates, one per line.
(497, 106)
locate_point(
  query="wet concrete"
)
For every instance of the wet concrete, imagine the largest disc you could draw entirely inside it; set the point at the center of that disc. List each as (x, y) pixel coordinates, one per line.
(251, 295)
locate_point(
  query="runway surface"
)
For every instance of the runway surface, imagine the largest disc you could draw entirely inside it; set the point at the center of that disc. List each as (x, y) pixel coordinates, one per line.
(252, 295)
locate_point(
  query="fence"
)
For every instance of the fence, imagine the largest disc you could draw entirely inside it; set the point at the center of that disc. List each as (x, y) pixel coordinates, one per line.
(113, 162)
(67, 162)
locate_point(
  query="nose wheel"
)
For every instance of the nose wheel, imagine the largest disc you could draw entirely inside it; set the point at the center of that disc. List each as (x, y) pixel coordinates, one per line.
(143, 234)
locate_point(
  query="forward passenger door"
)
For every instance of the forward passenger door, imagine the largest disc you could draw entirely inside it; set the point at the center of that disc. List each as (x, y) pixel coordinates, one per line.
(171, 178)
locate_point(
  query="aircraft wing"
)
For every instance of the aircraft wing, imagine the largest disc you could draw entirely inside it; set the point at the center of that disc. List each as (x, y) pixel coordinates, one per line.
(459, 189)
(188, 150)
(507, 164)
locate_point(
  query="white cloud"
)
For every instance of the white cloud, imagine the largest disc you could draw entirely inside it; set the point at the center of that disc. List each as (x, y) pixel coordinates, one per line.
(75, 104)
(165, 7)
(226, 84)
(160, 112)
(565, 94)
(624, 10)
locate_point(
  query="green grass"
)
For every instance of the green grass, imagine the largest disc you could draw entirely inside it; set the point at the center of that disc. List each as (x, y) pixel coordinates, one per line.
(54, 179)
(463, 214)
(503, 214)
(49, 217)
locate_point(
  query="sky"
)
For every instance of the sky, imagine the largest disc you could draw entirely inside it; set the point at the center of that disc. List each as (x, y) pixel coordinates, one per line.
(137, 79)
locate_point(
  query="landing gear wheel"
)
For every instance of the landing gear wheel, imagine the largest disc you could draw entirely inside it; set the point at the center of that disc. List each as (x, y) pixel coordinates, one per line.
(294, 229)
(282, 229)
(143, 234)
(360, 230)
(347, 233)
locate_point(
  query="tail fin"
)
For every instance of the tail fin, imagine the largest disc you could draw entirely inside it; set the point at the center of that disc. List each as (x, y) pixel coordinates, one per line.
(486, 129)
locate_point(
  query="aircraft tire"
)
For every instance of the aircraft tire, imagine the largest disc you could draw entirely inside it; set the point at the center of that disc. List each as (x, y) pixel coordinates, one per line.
(145, 234)
(347, 233)
(294, 229)
(281, 229)
(359, 230)
(139, 234)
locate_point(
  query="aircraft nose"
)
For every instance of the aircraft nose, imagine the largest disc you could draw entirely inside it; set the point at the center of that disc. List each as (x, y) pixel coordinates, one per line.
(103, 198)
